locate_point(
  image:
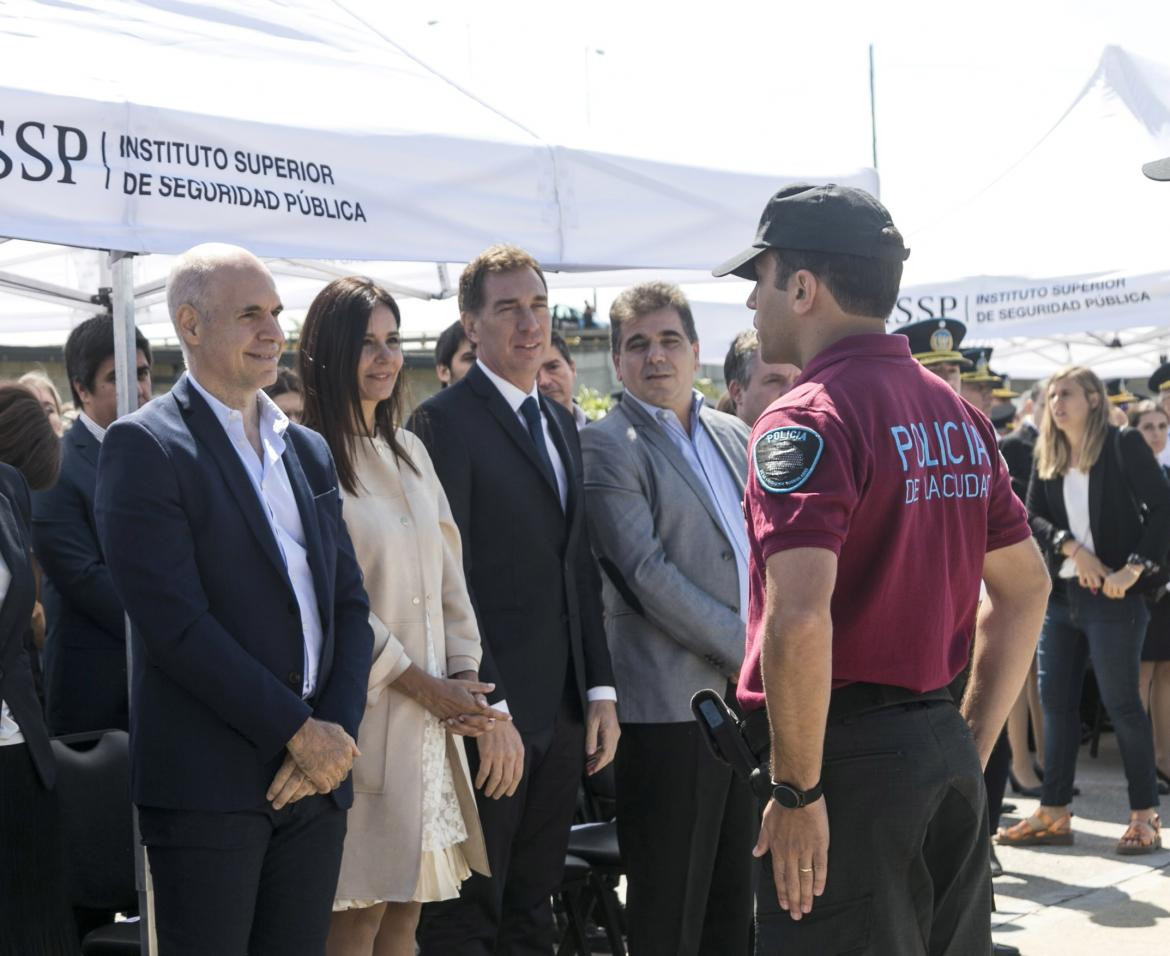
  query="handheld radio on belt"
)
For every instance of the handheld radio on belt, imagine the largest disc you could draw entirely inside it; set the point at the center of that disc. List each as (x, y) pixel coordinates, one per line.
(724, 735)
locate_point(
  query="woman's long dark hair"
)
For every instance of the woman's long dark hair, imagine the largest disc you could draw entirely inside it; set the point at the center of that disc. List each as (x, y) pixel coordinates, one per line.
(331, 345)
(27, 440)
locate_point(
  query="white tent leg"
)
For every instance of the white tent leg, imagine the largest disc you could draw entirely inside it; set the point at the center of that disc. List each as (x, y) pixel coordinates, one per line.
(126, 373)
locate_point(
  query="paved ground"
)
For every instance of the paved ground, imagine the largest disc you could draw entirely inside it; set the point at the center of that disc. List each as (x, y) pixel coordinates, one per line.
(1085, 899)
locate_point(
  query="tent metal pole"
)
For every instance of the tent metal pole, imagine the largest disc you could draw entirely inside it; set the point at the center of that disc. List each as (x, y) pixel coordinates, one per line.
(126, 375)
(125, 353)
(872, 110)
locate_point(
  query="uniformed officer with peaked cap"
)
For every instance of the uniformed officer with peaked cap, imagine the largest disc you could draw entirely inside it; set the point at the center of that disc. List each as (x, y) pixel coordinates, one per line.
(1159, 382)
(934, 343)
(1119, 395)
(979, 383)
(875, 501)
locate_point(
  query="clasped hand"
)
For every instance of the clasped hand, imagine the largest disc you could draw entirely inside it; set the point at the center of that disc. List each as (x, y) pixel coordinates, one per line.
(320, 756)
(1095, 576)
(461, 703)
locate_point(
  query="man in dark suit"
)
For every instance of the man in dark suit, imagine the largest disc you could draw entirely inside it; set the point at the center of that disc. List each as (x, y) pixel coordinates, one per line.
(664, 480)
(221, 524)
(1019, 448)
(510, 463)
(85, 643)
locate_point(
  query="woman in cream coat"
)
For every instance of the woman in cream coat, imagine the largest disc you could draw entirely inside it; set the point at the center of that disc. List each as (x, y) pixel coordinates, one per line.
(413, 833)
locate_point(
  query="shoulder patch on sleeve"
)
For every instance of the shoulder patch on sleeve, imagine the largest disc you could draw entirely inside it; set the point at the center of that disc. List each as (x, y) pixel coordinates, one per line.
(784, 458)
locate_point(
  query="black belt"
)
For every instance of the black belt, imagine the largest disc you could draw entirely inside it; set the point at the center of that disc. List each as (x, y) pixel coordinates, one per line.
(852, 700)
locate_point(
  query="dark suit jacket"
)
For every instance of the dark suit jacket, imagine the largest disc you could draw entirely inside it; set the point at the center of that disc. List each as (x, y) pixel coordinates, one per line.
(85, 642)
(1018, 449)
(529, 570)
(1114, 496)
(17, 688)
(217, 643)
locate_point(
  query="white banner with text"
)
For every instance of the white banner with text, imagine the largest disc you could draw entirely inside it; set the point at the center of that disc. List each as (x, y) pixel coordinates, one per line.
(998, 307)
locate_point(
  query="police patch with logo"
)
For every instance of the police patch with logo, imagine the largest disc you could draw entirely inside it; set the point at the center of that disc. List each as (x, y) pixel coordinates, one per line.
(784, 458)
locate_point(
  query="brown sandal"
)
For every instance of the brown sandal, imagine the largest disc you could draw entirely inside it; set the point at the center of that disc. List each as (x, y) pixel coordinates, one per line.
(1134, 834)
(1038, 830)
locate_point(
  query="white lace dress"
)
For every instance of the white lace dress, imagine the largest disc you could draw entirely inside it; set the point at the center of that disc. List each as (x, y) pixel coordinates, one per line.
(391, 528)
(443, 867)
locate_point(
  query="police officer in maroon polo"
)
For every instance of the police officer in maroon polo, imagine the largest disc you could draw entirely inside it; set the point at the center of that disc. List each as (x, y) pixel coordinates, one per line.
(876, 500)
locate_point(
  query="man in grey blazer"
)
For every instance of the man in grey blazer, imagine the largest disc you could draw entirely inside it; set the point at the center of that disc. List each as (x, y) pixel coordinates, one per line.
(664, 478)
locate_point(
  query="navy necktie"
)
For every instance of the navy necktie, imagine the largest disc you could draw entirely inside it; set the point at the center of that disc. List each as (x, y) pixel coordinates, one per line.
(531, 412)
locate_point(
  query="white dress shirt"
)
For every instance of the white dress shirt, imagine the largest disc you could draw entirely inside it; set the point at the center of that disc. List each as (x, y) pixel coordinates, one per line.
(94, 428)
(9, 729)
(270, 481)
(515, 398)
(1076, 505)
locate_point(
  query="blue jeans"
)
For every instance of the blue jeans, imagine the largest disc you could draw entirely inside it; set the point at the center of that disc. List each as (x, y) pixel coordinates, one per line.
(1081, 626)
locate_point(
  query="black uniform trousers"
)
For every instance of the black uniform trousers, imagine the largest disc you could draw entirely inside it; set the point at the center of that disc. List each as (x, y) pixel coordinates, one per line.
(247, 883)
(908, 843)
(686, 825)
(527, 835)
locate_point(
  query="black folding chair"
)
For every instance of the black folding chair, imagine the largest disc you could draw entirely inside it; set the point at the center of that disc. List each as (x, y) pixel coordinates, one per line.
(93, 789)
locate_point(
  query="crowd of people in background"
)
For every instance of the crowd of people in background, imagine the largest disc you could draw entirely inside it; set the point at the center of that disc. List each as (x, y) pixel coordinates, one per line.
(382, 647)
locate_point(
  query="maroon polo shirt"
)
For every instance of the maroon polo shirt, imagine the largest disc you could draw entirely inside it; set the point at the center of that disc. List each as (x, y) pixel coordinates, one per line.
(874, 458)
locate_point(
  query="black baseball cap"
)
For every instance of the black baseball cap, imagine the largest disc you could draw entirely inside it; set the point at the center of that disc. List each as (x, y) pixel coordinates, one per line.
(830, 218)
(1159, 169)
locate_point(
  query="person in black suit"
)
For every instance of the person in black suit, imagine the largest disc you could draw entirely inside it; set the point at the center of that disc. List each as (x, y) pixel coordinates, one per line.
(1019, 447)
(510, 464)
(34, 909)
(222, 528)
(85, 641)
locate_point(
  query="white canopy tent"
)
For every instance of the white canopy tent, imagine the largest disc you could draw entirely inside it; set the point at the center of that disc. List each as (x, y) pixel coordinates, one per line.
(1065, 257)
(299, 131)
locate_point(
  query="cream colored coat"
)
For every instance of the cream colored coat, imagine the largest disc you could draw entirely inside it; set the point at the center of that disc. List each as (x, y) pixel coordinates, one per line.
(410, 552)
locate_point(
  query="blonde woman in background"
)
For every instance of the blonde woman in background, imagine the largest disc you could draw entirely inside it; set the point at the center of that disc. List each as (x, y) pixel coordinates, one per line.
(414, 832)
(43, 388)
(1100, 506)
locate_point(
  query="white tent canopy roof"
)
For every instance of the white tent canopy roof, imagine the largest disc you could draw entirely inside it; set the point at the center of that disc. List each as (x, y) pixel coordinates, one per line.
(1066, 207)
(149, 127)
(1065, 257)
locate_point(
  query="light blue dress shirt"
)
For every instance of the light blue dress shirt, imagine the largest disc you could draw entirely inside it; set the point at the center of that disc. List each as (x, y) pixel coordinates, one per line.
(272, 487)
(701, 452)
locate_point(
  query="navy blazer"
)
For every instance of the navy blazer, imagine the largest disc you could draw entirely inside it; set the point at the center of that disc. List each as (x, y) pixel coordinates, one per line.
(85, 641)
(217, 643)
(531, 576)
(17, 688)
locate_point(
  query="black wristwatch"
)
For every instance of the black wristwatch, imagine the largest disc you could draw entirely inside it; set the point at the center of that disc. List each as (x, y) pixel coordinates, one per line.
(791, 798)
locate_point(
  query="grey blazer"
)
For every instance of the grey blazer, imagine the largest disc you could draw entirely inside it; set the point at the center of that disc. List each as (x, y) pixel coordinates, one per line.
(671, 589)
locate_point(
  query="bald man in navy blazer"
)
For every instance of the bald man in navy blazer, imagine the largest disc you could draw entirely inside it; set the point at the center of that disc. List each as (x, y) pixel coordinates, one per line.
(221, 525)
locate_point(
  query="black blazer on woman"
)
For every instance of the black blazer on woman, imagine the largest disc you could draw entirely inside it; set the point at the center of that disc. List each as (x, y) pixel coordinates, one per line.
(16, 680)
(1118, 529)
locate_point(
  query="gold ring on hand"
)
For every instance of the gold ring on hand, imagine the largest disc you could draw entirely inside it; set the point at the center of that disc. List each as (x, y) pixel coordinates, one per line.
(804, 869)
